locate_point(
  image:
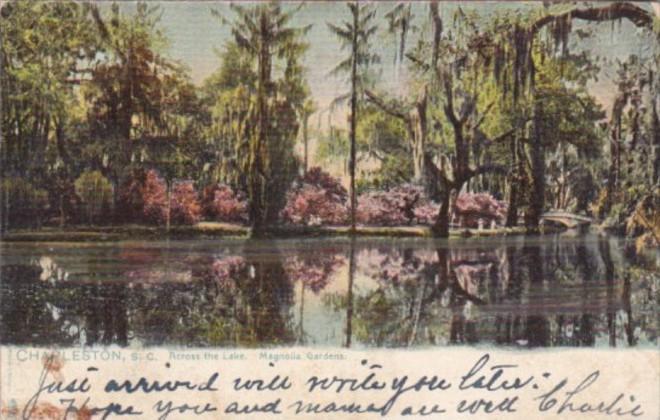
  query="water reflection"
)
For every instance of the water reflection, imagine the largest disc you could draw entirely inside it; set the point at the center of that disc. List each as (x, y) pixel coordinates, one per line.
(526, 292)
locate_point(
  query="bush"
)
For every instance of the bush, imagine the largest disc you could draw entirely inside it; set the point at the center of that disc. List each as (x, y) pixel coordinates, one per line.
(470, 207)
(374, 208)
(143, 198)
(222, 204)
(25, 204)
(95, 191)
(389, 208)
(427, 212)
(316, 198)
(185, 208)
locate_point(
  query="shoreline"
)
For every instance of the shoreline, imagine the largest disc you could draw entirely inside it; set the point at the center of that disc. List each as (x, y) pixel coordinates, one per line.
(212, 230)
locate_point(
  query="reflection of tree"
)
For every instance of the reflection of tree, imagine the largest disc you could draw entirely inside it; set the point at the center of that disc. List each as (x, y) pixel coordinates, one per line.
(26, 314)
(240, 299)
(312, 268)
(106, 314)
(418, 291)
(604, 250)
(567, 292)
(349, 294)
(537, 294)
(537, 333)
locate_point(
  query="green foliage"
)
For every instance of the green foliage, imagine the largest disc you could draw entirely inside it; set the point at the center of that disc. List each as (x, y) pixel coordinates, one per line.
(256, 114)
(24, 204)
(89, 94)
(95, 191)
(381, 139)
(45, 46)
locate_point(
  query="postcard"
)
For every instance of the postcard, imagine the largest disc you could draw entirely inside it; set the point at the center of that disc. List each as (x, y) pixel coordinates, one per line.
(329, 210)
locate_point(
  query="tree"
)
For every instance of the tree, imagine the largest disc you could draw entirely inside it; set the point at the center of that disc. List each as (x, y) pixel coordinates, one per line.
(95, 192)
(47, 49)
(262, 34)
(356, 35)
(451, 66)
(514, 66)
(129, 92)
(307, 110)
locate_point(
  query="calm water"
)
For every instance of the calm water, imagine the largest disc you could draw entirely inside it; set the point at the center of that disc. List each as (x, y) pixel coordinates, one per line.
(516, 292)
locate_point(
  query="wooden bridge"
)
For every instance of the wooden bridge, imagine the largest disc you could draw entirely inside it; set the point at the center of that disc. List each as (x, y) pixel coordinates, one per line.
(567, 219)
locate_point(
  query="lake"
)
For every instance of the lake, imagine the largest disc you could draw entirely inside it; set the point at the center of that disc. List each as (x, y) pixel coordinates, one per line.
(526, 291)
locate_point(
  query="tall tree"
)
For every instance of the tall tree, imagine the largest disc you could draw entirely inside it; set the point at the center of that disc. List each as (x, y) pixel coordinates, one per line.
(46, 51)
(514, 65)
(355, 34)
(128, 91)
(264, 34)
(451, 67)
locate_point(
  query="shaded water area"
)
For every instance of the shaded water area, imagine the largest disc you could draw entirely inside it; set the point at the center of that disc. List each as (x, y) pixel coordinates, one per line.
(508, 291)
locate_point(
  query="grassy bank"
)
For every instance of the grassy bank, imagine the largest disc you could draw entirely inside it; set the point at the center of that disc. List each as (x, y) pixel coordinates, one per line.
(219, 230)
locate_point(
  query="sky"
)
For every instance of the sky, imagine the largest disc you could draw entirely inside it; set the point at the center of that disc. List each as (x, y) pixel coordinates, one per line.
(195, 34)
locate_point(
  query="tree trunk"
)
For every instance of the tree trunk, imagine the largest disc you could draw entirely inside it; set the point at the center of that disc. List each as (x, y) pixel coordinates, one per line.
(537, 204)
(418, 133)
(169, 206)
(352, 162)
(256, 176)
(305, 140)
(440, 228)
(512, 212)
(615, 153)
(655, 149)
(7, 206)
(62, 217)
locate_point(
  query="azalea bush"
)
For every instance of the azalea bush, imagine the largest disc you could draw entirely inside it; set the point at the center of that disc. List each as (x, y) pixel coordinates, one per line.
(221, 203)
(185, 207)
(470, 207)
(408, 204)
(393, 207)
(426, 212)
(316, 198)
(143, 198)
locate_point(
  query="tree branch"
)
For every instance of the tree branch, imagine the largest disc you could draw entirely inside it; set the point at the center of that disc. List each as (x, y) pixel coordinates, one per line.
(502, 136)
(638, 16)
(385, 107)
(484, 114)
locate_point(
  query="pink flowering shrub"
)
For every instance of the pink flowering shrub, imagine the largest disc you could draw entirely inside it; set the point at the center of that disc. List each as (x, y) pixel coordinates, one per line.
(185, 207)
(223, 204)
(316, 198)
(143, 198)
(389, 208)
(407, 204)
(427, 212)
(470, 207)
